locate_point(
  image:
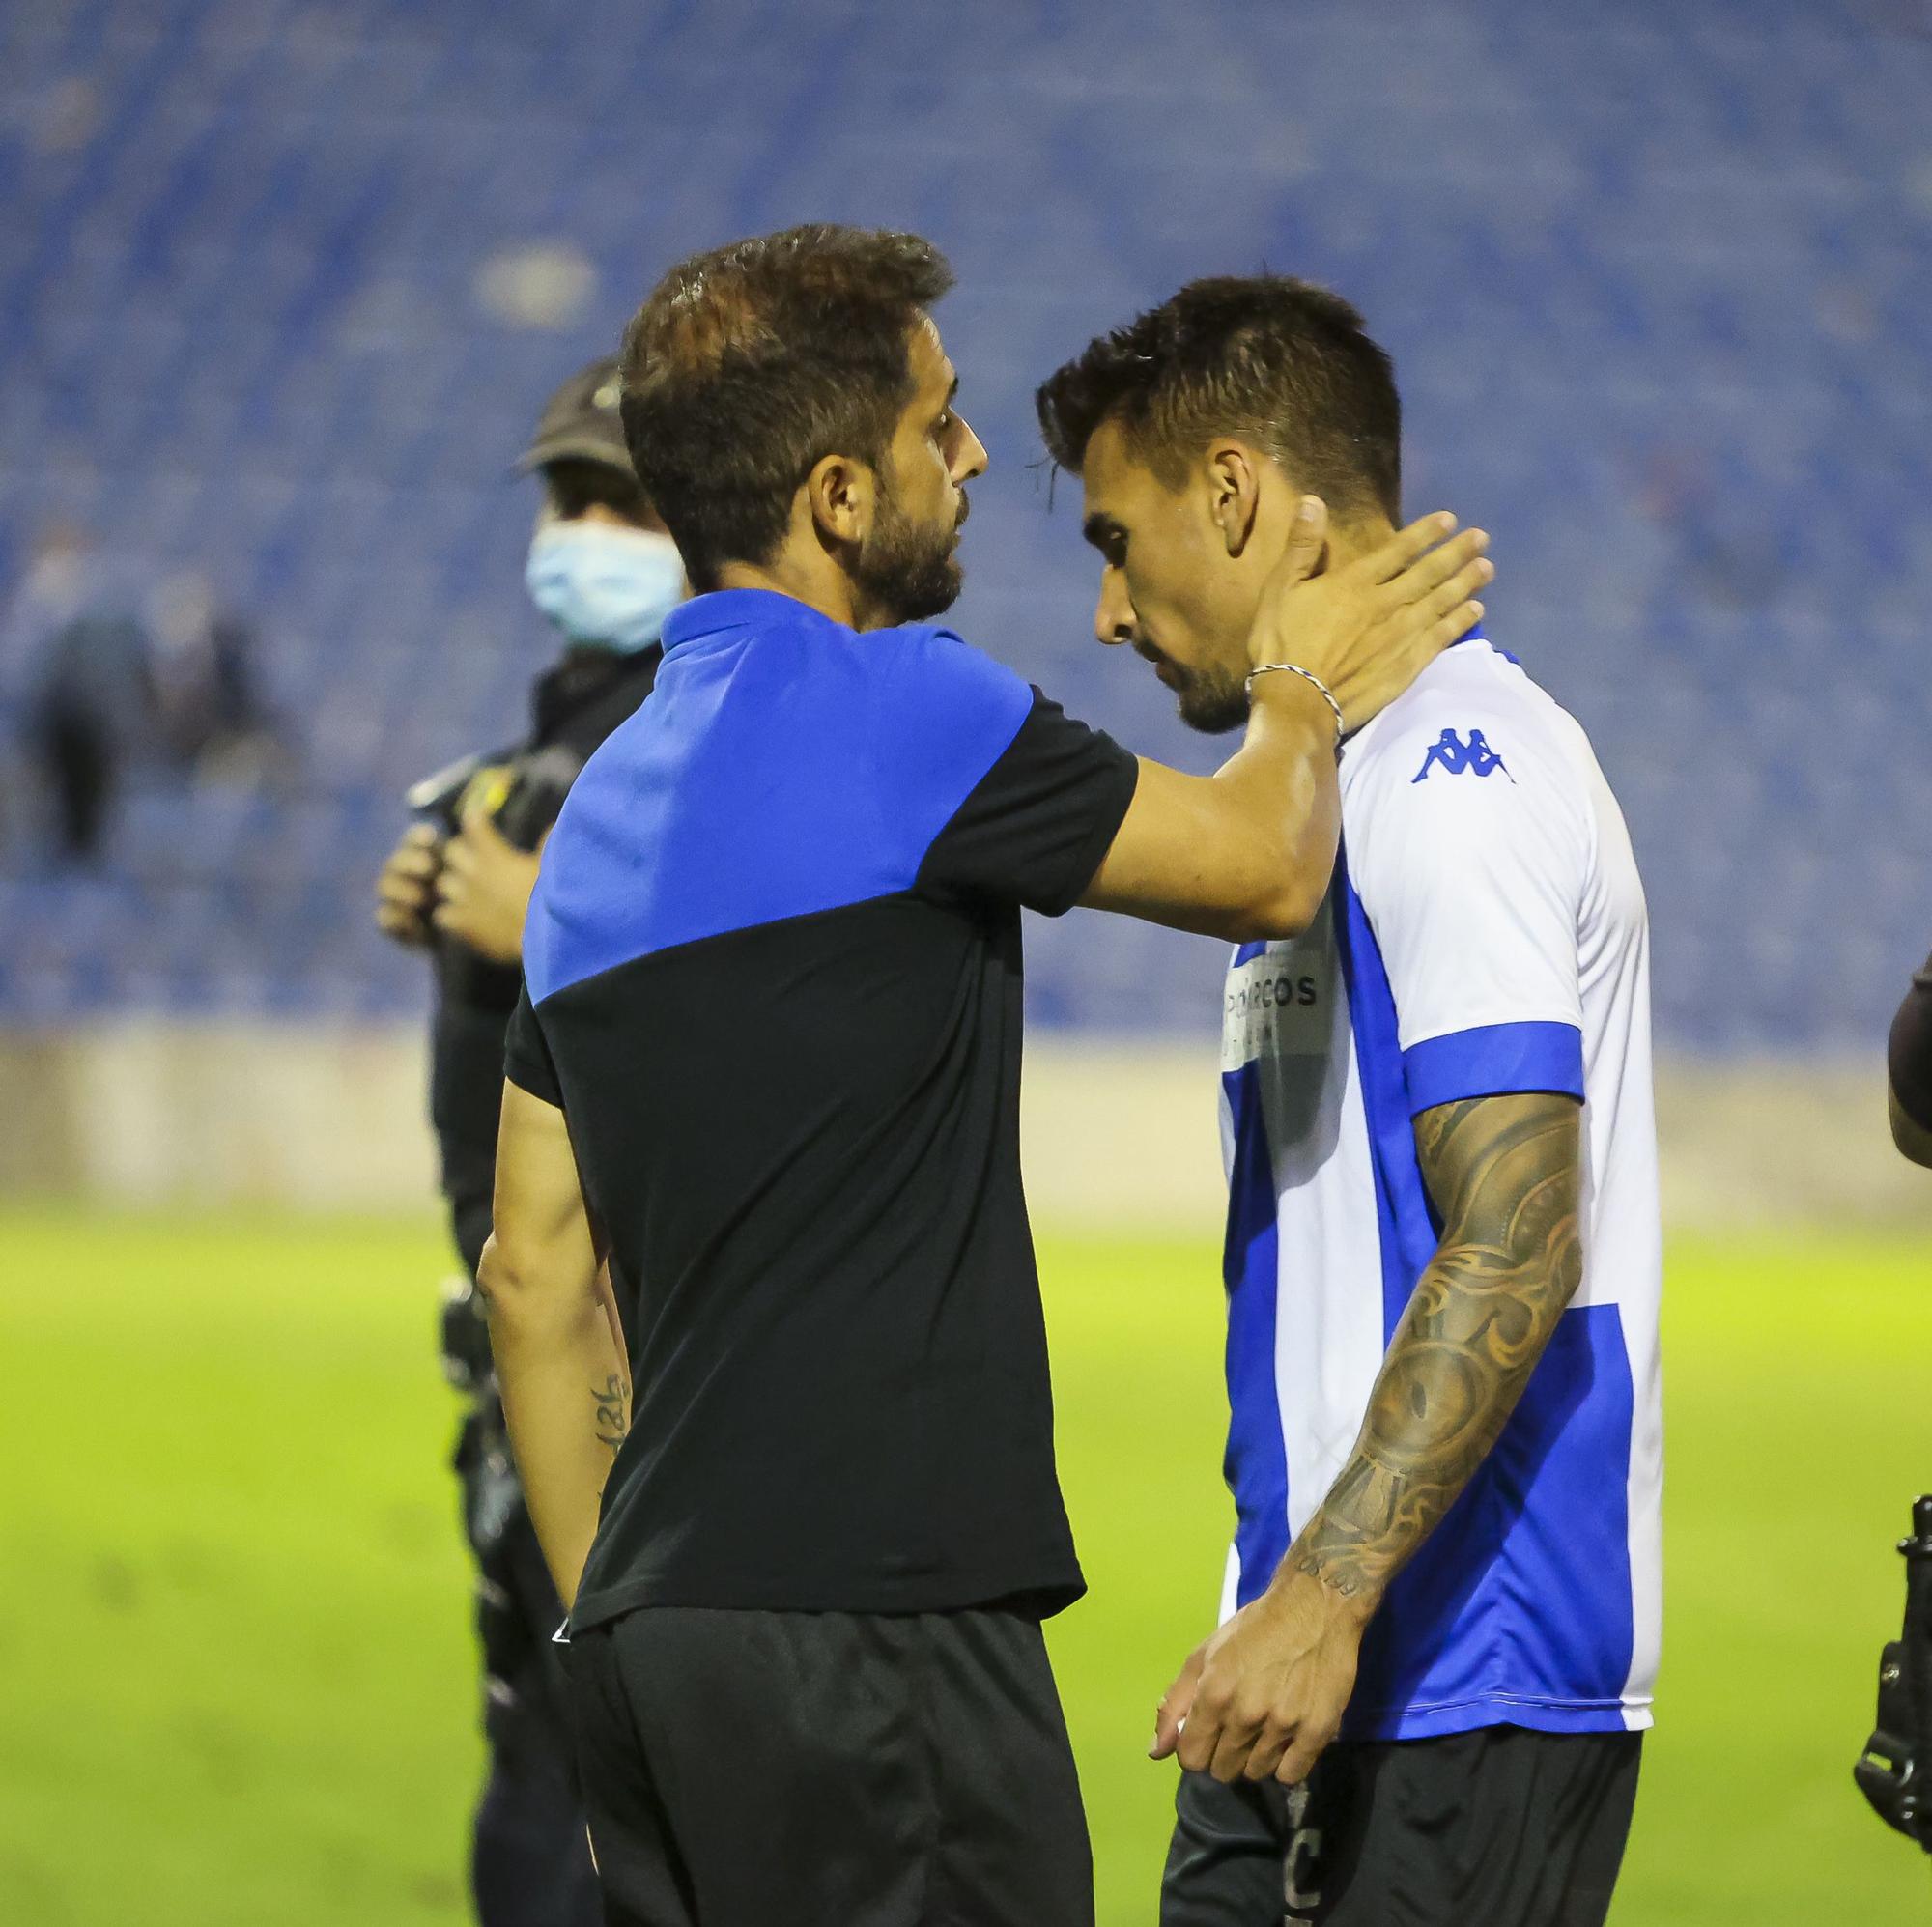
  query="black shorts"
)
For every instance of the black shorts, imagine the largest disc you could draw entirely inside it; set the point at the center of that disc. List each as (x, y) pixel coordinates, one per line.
(828, 1770)
(1502, 1827)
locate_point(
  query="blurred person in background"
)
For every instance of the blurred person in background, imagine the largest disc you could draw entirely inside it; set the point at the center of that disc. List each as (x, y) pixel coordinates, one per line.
(128, 674)
(605, 573)
(1443, 1255)
(88, 712)
(1909, 1066)
(208, 710)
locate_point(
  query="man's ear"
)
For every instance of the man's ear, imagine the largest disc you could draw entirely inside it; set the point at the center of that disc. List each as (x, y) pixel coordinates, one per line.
(1234, 492)
(840, 494)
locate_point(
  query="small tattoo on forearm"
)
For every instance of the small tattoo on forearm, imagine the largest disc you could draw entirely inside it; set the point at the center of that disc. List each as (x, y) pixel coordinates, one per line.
(612, 1425)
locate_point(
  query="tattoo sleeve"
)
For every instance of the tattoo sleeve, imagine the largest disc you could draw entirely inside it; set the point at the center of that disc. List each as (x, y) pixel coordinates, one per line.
(1505, 1175)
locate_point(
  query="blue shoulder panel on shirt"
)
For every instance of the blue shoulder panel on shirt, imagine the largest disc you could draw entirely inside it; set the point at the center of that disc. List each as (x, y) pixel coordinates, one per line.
(1493, 1060)
(783, 765)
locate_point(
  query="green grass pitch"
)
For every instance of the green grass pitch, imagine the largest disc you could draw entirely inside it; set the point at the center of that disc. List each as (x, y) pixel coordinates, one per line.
(234, 1644)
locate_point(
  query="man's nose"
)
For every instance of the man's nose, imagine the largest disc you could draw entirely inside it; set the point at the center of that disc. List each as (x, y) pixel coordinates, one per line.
(1114, 613)
(971, 457)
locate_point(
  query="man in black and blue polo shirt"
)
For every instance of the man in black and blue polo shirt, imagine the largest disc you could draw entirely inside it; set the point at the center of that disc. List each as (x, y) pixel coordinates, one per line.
(761, 1272)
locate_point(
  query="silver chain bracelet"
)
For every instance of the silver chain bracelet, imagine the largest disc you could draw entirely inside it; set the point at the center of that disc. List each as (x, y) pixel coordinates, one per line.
(1309, 676)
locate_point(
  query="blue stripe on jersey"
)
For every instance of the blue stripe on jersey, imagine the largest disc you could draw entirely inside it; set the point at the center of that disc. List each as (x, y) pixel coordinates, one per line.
(1256, 1464)
(1493, 1058)
(783, 765)
(1409, 1226)
(1475, 635)
(1518, 1608)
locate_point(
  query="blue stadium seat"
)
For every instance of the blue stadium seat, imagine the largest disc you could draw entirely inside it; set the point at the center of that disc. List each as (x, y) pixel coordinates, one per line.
(1657, 279)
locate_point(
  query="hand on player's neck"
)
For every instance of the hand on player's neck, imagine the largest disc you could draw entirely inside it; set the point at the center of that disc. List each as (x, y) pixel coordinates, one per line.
(1356, 536)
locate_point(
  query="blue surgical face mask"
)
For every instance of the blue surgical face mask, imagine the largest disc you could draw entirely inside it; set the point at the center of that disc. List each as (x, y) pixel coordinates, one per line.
(605, 587)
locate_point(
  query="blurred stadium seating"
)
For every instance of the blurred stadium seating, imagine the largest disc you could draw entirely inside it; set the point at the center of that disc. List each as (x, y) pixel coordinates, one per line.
(282, 282)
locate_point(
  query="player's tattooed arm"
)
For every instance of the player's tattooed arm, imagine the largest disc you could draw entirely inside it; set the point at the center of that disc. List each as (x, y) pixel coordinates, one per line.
(1505, 1173)
(1266, 1692)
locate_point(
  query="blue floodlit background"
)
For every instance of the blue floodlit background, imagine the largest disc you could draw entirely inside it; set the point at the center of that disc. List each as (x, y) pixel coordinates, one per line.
(282, 284)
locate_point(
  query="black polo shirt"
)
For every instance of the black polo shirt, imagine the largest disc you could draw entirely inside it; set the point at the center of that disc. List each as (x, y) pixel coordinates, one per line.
(772, 978)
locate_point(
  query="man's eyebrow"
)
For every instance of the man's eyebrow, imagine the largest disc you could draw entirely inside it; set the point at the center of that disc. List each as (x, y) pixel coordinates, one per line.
(953, 390)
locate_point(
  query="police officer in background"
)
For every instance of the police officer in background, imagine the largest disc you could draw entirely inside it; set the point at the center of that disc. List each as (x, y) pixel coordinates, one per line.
(606, 574)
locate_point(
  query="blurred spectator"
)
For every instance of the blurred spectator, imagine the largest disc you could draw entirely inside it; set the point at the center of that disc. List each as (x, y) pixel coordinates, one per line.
(121, 674)
(207, 711)
(89, 702)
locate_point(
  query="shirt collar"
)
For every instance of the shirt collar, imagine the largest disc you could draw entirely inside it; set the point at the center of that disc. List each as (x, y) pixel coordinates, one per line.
(737, 608)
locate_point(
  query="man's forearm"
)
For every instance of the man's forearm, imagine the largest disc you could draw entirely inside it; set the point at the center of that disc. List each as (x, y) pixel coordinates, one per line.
(566, 1399)
(1247, 853)
(1480, 1319)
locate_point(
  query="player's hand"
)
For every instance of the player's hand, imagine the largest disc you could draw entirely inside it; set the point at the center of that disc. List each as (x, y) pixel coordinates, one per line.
(1369, 628)
(483, 891)
(1264, 1697)
(405, 889)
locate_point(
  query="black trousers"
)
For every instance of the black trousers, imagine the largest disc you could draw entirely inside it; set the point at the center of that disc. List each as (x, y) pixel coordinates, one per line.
(1498, 1828)
(828, 1770)
(529, 1863)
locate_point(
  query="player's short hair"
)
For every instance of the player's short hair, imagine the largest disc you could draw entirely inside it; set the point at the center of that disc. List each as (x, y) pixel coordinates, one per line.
(1280, 363)
(747, 365)
(575, 486)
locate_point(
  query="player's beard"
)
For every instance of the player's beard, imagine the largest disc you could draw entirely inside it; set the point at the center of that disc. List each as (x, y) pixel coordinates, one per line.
(1214, 701)
(910, 570)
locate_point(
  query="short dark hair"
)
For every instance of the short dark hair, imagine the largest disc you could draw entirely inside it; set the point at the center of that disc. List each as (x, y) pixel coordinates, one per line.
(1276, 360)
(576, 484)
(748, 364)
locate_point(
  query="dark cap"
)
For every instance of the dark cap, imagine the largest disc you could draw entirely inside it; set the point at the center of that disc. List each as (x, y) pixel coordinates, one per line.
(581, 423)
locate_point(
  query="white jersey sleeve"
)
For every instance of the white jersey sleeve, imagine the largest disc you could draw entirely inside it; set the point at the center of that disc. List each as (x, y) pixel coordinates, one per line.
(1469, 845)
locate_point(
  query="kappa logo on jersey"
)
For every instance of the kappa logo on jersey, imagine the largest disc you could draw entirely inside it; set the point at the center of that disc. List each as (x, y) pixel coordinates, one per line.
(1448, 754)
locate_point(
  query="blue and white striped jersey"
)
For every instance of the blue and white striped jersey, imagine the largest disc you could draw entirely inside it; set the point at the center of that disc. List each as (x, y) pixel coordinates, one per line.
(1486, 932)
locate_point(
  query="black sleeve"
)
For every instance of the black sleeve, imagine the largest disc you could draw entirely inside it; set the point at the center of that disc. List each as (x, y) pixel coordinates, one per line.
(1909, 1054)
(527, 1059)
(1035, 825)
